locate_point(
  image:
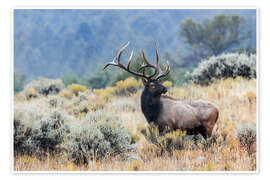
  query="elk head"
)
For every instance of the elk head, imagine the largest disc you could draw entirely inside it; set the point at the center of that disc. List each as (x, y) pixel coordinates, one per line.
(151, 82)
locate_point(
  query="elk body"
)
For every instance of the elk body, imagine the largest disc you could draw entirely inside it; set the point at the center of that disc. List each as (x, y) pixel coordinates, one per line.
(195, 117)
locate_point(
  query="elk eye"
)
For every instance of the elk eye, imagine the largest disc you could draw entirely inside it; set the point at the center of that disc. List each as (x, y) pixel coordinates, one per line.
(152, 85)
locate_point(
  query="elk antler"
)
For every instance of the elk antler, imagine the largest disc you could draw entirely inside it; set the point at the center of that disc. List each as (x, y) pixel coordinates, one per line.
(119, 64)
(164, 73)
(156, 67)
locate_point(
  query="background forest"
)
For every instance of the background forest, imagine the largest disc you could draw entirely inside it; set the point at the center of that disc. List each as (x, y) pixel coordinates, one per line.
(74, 44)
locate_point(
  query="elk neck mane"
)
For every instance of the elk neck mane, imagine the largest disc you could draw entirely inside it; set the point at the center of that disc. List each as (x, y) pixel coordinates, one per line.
(151, 106)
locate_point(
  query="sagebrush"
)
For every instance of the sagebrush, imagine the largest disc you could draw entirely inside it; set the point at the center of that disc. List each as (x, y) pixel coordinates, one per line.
(45, 86)
(224, 66)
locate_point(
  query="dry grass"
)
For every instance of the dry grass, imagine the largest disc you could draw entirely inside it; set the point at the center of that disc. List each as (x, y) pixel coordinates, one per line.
(236, 100)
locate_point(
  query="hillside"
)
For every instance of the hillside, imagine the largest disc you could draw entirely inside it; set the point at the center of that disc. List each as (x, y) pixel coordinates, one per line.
(51, 43)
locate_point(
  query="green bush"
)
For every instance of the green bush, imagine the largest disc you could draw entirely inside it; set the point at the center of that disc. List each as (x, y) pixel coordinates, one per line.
(97, 140)
(41, 136)
(224, 66)
(39, 131)
(46, 86)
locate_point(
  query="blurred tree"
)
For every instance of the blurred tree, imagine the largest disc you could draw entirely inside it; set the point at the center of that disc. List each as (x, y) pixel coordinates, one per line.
(98, 79)
(69, 79)
(19, 81)
(248, 50)
(221, 34)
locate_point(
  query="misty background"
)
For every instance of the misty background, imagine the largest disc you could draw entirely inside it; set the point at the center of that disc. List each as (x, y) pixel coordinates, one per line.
(58, 43)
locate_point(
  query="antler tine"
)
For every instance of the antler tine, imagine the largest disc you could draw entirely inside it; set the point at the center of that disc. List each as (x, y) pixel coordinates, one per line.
(110, 63)
(157, 58)
(157, 63)
(148, 65)
(164, 73)
(129, 60)
(145, 59)
(120, 52)
(119, 64)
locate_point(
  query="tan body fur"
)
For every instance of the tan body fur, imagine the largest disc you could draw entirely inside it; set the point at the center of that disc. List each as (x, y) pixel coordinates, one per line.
(182, 114)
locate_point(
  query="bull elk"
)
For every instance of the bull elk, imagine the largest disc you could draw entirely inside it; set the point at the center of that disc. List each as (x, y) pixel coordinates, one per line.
(195, 117)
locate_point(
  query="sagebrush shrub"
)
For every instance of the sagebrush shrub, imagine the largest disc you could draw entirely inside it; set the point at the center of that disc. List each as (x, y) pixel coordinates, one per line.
(42, 136)
(56, 101)
(224, 66)
(123, 104)
(98, 139)
(246, 135)
(46, 86)
(41, 129)
(82, 107)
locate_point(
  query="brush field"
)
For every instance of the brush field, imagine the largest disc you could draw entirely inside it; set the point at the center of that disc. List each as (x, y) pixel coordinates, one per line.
(236, 99)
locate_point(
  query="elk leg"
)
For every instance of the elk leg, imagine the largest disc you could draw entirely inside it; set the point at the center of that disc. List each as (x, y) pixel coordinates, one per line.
(197, 130)
(210, 123)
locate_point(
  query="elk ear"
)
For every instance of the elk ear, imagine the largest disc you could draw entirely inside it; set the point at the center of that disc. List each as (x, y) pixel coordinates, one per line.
(144, 81)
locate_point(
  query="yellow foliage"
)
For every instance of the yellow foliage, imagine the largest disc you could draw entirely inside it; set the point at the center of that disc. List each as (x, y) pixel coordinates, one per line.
(68, 167)
(31, 93)
(19, 97)
(76, 88)
(134, 138)
(127, 86)
(150, 150)
(251, 96)
(104, 93)
(28, 159)
(122, 88)
(225, 132)
(135, 165)
(167, 84)
(210, 166)
(66, 94)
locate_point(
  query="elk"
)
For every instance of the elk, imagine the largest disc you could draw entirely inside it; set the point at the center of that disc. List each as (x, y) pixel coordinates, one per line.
(194, 117)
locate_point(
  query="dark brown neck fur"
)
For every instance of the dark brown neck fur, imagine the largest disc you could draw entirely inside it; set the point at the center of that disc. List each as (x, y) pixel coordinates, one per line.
(151, 106)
